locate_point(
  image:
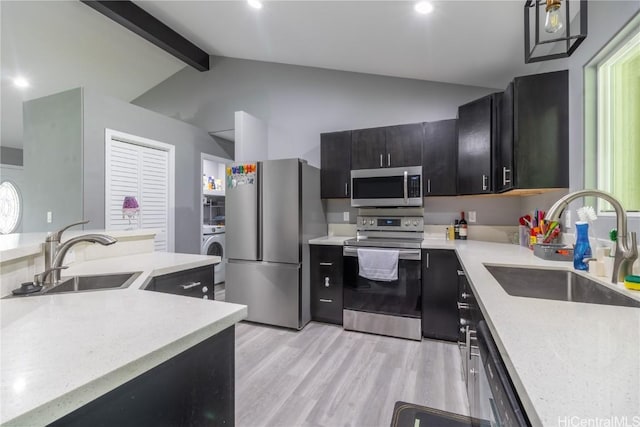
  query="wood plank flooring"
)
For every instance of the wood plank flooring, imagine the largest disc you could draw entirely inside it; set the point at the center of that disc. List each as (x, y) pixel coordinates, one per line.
(326, 376)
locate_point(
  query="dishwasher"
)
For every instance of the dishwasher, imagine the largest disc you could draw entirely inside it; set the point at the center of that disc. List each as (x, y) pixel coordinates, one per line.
(495, 397)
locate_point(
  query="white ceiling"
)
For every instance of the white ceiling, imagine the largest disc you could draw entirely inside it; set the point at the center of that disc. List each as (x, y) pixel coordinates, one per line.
(473, 42)
(59, 45)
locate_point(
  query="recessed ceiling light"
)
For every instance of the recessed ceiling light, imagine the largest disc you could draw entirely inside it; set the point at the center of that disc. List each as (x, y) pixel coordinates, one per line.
(21, 82)
(423, 7)
(256, 4)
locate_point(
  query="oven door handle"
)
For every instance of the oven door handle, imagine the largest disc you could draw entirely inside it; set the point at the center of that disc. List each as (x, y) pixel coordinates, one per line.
(410, 254)
(406, 191)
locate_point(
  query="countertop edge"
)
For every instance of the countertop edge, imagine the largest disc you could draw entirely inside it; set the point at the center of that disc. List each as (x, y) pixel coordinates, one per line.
(521, 391)
(63, 405)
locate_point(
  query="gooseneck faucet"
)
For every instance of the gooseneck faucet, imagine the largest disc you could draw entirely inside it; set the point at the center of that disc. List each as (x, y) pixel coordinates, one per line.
(54, 251)
(626, 251)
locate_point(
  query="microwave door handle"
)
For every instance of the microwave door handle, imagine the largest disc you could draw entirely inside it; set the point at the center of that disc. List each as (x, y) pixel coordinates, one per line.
(406, 193)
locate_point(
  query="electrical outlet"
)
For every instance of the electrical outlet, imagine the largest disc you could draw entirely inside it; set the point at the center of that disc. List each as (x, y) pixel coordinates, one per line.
(567, 218)
(49, 217)
(345, 216)
(472, 216)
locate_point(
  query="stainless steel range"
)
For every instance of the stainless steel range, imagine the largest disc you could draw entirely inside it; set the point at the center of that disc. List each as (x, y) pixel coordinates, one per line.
(383, 276)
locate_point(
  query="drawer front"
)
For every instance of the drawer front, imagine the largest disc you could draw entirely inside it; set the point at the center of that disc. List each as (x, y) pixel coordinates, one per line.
(196, 283)
(327, 310)
(327, 287)
(328, 261)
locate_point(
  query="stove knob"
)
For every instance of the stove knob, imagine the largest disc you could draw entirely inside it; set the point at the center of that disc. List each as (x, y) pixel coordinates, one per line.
(415, 223)
(371, 222)
(406, 223)
(364, 221)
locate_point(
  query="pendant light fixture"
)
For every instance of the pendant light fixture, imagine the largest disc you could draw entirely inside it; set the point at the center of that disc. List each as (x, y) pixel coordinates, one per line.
(553, 28)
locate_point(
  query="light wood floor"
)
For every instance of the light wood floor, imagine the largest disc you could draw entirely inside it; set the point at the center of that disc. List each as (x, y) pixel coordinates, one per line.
(325, 376)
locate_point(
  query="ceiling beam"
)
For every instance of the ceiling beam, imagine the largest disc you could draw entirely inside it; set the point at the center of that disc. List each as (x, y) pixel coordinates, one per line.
(136, 19)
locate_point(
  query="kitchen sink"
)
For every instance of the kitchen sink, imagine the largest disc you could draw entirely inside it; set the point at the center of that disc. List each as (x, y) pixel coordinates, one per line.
(559, 285)
(94, 282)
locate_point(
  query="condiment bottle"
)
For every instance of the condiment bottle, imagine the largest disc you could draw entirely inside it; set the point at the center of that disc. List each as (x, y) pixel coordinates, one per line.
(463, 227)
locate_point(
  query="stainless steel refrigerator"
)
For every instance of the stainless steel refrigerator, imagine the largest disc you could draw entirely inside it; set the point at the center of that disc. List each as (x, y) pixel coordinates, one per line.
(273, 208)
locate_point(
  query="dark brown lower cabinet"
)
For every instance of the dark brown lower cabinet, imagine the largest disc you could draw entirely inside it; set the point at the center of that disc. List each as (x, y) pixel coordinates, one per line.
(440, 315)
(195, 388)
(196, 283)
(326, 283)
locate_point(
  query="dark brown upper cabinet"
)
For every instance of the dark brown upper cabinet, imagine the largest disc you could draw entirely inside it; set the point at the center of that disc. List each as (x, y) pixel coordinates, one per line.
(477, 132)
(533, 150)
(368, 148)
(404, 145)
(335, 165)
(391, 146)
(440, 158)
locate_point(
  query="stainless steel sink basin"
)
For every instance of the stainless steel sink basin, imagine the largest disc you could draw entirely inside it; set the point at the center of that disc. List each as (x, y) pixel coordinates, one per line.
(94, 282)
(559, 285)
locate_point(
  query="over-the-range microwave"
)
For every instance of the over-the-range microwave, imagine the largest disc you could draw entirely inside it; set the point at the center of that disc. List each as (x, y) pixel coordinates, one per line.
(391, 187)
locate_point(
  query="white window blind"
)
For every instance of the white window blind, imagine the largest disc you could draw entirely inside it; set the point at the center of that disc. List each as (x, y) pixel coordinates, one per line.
(143, 172)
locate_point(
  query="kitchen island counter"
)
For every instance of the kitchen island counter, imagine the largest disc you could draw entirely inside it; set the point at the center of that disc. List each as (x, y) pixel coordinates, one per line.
(62, 351)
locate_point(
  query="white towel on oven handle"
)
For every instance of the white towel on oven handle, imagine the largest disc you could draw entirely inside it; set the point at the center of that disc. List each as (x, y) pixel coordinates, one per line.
(378, 264)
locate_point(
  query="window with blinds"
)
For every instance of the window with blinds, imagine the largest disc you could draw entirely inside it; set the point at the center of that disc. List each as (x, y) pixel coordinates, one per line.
(142, 172)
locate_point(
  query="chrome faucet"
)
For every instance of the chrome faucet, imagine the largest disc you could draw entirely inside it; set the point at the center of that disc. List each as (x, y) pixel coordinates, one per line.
(626, 252)
(54, 251)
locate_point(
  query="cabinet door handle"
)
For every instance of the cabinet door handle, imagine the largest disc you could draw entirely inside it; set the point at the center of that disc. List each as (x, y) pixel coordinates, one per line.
(406, 188)
(190, 285)
(461, 273)
(427, 259)
(484, 182)
(346, 188)
(325, 300)
(326, 282)
(463, 306)
(429, 185)
(380, 160)
(326, 264)
(388, 159)
(505, 171)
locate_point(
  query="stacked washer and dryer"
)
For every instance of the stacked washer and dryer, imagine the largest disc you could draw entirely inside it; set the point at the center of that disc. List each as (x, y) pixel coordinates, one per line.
(213, 244)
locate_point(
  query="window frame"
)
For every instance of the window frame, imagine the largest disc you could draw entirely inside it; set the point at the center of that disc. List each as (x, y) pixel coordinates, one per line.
(597, 103)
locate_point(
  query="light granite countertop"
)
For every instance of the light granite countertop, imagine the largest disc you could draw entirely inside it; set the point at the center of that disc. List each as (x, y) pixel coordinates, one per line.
(61, 351)
(330, 240)
(565, 359)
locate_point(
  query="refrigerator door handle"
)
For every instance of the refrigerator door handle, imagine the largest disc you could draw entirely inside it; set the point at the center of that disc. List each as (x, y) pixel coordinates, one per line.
(260, 205)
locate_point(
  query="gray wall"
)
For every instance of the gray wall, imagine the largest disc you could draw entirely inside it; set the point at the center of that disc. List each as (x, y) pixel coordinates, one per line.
(52, 161)
(606, 18)
(102, 112)
(299, 103)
